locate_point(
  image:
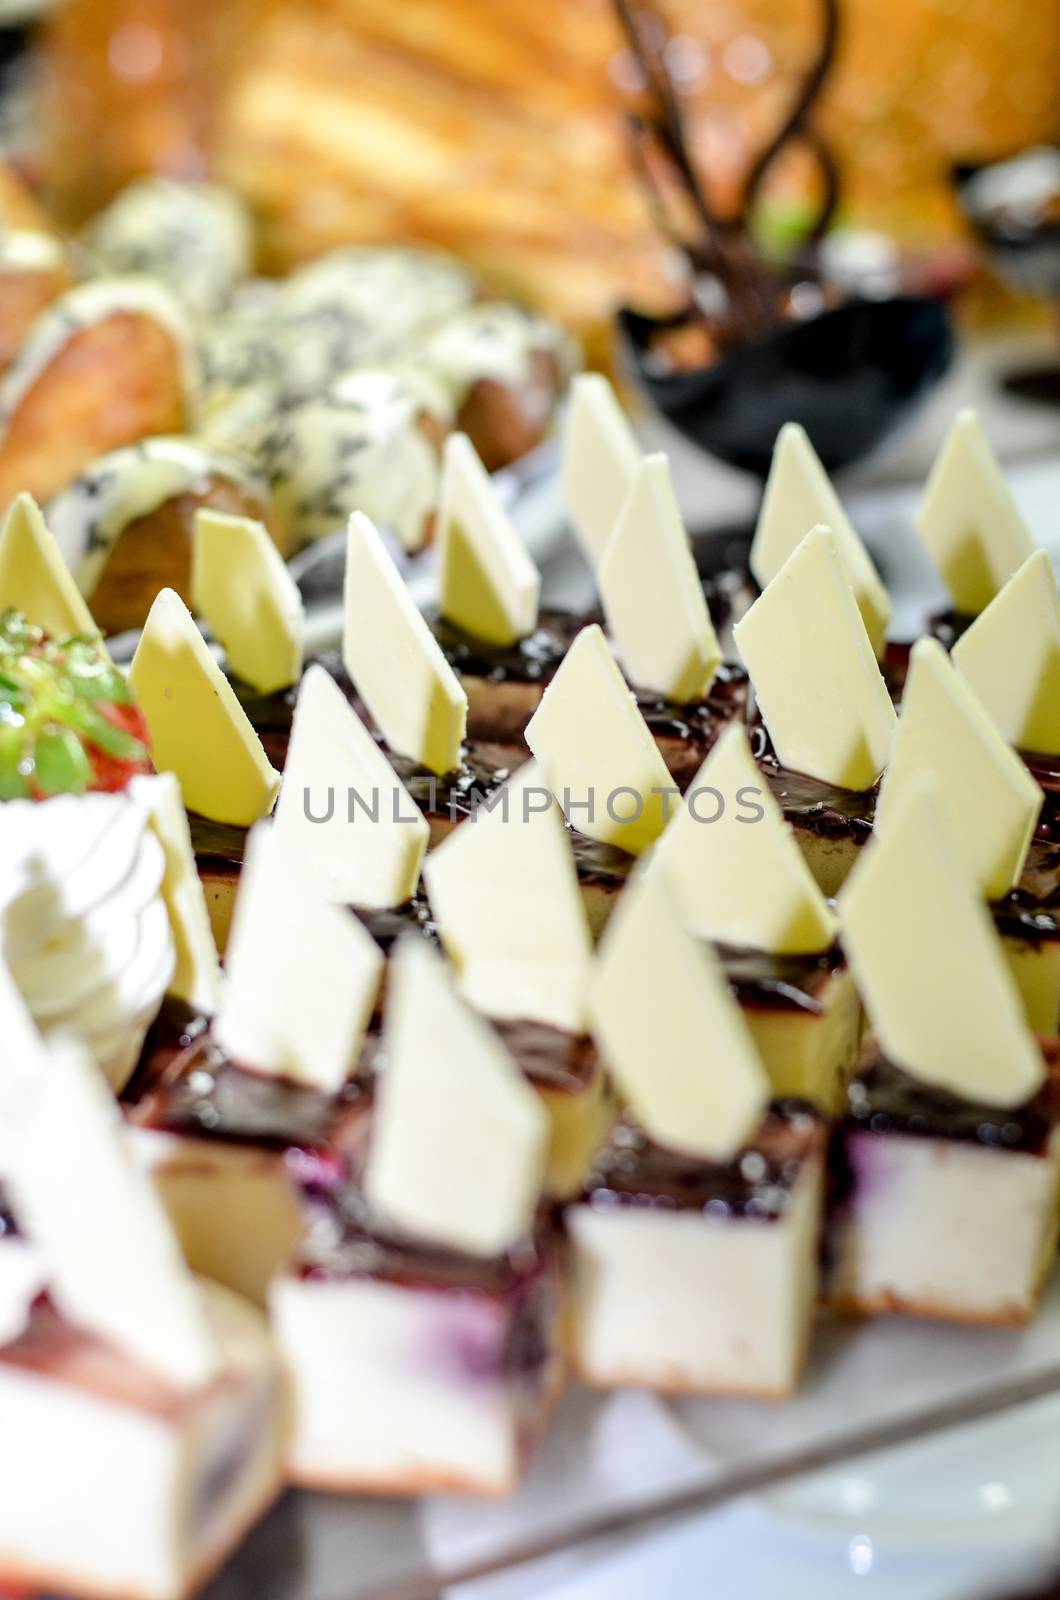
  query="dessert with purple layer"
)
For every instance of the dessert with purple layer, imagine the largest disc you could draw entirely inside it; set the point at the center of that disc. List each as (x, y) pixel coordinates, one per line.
(419, 1318)
(831, 823)
(951, 1141)
(695, 1244)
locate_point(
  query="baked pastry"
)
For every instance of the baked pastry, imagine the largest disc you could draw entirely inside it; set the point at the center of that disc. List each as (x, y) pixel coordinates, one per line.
(125, 1378)
(125, 522)
(828, 716)
(194, 238)
(505, 369)
(410, 1254)
(695, 1244)
(951, 1141)
(34, 270)
(371, 443)
(104, 365)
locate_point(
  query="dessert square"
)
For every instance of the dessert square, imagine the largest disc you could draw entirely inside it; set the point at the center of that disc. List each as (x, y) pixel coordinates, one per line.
(830, 823)
(944, 1208)
(504, 682)
(1028, 920)
(566, 1072)
(805, 1019)
(415, 1368)
(603, 871)
(190, 1471)
(699, 1277)
(685, 734)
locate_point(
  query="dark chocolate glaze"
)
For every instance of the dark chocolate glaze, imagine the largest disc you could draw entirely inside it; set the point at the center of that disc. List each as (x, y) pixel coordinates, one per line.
(631, 1170)
(485, 768)
(947, 626)
(218, 846)
(1045, 770)
(602, 865)
(884, 1099)
(175, 1028)
(387, 924)
(530, 660)
(550, 1057)
(894, 666)
(1031, 911)
(765, 982)
(821, 808)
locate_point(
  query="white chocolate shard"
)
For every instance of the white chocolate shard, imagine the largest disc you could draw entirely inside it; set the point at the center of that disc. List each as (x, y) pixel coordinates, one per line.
(342, 806)
(411, 692)
(34, 578)
(459, 1137)
(969, 520)
(504, 891)
(670, 1031)
(929, 964)
(732, 864)
(302, 975)
(596, 752)
(653, 600)
(241, 586)
(1010, 657)
(198, 728)
(990, 802)
(197, 974)
(488, 585)
(814, 671)
(600, 460)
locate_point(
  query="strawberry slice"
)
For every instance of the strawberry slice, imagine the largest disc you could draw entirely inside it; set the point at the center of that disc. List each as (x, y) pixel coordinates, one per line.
(67, 720)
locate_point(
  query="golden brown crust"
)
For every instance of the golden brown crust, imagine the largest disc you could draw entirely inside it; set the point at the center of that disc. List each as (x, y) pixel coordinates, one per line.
(114, 382)
(679, 1385)
(504, 423)
(23, 296)
(154, 552)
(886, 1303)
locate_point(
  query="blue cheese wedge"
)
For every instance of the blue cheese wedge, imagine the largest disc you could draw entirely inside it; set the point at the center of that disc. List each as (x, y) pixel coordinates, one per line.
(910, 897)
(732, 863)
(504, 892)
(241, 586)
(488, 585)
(653, 600)
(600, 460)
(34, 578)
(596, 752)
(342, 806)
(199, 730)
(968, 519)
(990, 801)
(412, 693)
(452, 1102)
(302, 974)
(814, 671)
(1010, 658)
(671, 1031)
(799, 496)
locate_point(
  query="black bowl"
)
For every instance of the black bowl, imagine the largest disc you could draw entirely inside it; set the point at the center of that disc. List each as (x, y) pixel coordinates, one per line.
(851, 376)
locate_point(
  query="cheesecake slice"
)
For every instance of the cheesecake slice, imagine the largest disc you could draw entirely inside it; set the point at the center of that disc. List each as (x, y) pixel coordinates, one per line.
(419, 1317)
(944, 1207)
(950, 1145)
(131, 1387)
(695, 1242)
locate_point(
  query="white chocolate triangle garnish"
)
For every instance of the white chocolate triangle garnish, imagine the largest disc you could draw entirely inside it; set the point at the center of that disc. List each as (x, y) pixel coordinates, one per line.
(241, 586)
(929, 965)
(799, 496)
(198, 728)
(815, 675)
(596, 752)
(197, 974)
(600, 460)
(411, 692)
(302, 975)
(458, 1136)
(653, 600)
(990, 803)
(670, 1031)
(78, 1191)
(342, 806)
(732, 864)
(488, 585)
(34, 578)
(504, 891)
(969, 520)
(1010, 657)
